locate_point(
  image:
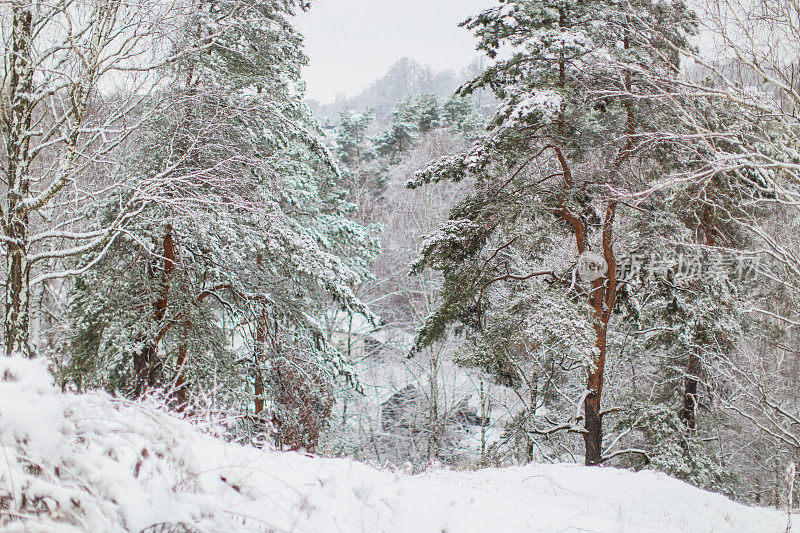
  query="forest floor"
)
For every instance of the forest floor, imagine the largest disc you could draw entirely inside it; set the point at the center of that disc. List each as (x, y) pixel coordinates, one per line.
(92, 462)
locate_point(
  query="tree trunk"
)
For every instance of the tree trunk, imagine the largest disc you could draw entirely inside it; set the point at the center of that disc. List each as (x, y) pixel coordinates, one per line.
(145, 363)
(534, 394)
(258, 356)
(602, 298)
(593, 438)
(593, 423)
(17, 292)
(688, 413)
(16, 124)
(144, 368)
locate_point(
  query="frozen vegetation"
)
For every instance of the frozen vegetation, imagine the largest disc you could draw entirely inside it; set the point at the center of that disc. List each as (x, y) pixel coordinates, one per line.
(426, 310)
(93, 462)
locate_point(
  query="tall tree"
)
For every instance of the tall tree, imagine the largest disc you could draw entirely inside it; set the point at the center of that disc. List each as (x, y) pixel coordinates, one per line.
(252, 231)
(564, 143)
(754, 78)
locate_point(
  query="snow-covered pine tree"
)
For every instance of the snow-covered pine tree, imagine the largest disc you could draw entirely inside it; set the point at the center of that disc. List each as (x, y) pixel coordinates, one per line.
(401, 133)
(427, 109)
(225, 275)
(456, 112)
(559, 161)
(352, 144)
(363, 173)
(733, 161)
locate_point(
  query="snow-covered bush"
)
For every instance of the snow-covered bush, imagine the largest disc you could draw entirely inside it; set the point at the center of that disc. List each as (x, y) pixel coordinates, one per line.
(93, 462)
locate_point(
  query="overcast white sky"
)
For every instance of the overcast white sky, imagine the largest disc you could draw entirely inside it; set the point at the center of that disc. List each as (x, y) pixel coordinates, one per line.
(352, 42)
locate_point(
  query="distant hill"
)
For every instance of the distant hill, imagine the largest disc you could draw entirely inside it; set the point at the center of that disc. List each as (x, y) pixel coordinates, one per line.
(405, 78)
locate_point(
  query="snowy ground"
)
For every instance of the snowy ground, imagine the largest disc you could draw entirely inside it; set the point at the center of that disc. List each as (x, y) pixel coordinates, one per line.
(94, 463)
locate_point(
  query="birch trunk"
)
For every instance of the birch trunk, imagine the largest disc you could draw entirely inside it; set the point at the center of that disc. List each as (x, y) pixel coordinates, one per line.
(16, 126)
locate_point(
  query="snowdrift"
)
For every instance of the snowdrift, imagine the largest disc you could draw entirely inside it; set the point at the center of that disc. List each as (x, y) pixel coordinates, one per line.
(100, 464)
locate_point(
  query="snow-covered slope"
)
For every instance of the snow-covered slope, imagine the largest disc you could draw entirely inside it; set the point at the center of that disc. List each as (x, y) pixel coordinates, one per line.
(94, 463)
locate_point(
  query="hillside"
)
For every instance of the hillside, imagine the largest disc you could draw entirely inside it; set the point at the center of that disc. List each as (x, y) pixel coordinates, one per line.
(405, 78)
(95, 463)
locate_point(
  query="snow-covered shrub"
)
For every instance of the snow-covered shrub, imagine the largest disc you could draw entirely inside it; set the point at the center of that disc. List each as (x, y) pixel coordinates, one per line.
(671, 447)
(93, 462)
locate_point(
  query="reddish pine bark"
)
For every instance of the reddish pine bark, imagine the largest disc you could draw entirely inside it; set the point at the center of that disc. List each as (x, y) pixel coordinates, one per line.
(145, 363)
(261, 327)
(601, 299)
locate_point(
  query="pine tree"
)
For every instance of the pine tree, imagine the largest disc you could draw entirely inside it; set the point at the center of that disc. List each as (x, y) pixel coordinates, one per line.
(352, 144)
(560, 160)
(456, 110)
(247, 245)
(401, 133)
(426, 108)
